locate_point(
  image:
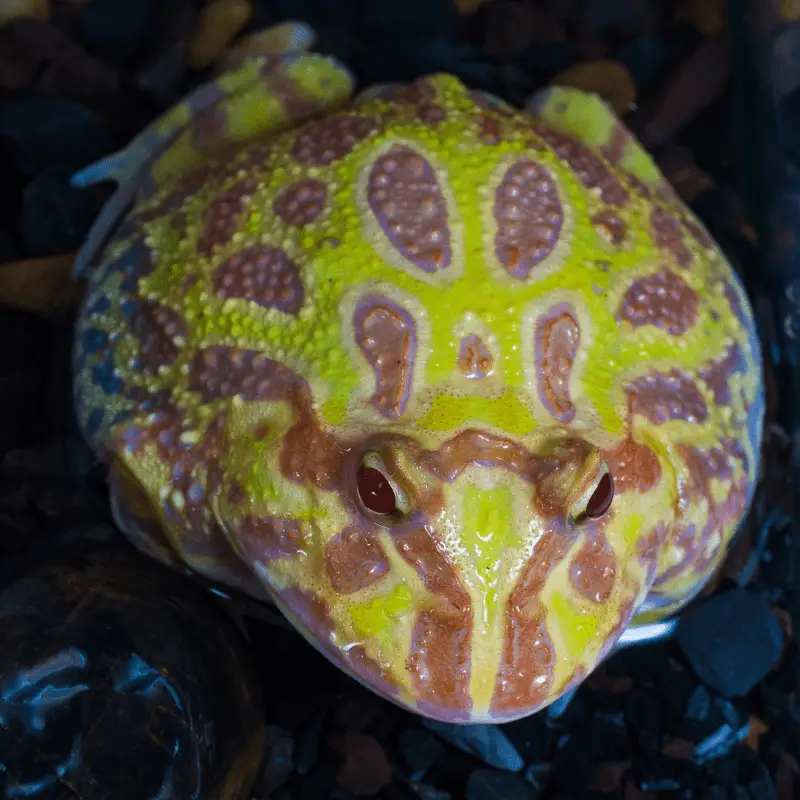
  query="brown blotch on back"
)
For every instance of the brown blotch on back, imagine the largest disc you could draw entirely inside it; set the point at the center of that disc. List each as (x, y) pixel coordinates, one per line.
(474, 359)
(261, 274)
(588, 167)
(663, 299)
(323, 141)
(408, 204)
(385, 334)
(528, 215)
(718, 374)
(301, 203)
(221, 219)
(431, 114)
(668, 235)
(609, 225)
(557, 338)
(354, 559)
(667, 396)
(593, 569)
(264, 539)
(219, 371)
(525, 675)
(634, 467)
(439, 660)
(158, 330)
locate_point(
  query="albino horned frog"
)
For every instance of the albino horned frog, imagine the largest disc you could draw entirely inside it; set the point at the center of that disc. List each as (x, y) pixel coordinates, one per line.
(465, 390)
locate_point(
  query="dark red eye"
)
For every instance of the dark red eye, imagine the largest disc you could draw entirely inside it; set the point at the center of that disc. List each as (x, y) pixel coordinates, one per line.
(375, 491)
(600, 501)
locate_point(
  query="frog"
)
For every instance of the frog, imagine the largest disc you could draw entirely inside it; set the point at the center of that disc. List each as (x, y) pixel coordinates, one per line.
(463, 389)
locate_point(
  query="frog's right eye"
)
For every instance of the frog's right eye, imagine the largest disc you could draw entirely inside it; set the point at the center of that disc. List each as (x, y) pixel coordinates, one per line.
(379, 494)
(375, 491)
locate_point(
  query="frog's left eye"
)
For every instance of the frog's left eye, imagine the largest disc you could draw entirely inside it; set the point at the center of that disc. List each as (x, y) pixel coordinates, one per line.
(381, 496)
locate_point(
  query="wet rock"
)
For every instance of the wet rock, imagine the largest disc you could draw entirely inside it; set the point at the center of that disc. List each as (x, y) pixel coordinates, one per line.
(486, 742)
(699, 705)
(425, 792)
(365, 770)
(121, 680)
(646, 58)
(278, 760)
(46, 132)
(731, 641)
(115, 30)
(420, 750)
(308, 747)
(55, 216)
(490, 784)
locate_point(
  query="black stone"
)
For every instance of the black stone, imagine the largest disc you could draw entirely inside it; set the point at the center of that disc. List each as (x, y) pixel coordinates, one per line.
(45, 131)
(55, 217)
(420, 750)
(121, 680)
(491, 784)
(731, 641)
(486, 742)
(278, 762)
(116, 30)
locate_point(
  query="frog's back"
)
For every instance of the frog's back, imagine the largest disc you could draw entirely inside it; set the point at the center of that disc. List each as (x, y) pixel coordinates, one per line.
(428, 257)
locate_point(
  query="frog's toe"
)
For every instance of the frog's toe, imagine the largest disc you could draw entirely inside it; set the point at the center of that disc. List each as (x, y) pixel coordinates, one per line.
(593, 122)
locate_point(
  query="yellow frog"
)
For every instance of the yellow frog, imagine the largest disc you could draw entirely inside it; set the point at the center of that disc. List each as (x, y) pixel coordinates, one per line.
(465, 390)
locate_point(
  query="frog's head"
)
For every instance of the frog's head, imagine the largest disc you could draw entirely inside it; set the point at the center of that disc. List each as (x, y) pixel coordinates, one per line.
(469, 575)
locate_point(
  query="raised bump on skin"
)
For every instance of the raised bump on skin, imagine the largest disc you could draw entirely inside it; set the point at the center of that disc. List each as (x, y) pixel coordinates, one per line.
(222, 217)
(386, 335)
(667, 396)
(407, 202)
(557, 337)
(301, 203)
(160, 331)
(263, 275)
(323, 141)
(354, 559)
(668, 235)
(719, 372)
(528, 216)
(663, 299)
(474, 359)
(593, 569)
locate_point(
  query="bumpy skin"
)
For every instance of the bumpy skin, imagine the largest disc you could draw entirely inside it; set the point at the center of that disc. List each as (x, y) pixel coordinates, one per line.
(493, 310)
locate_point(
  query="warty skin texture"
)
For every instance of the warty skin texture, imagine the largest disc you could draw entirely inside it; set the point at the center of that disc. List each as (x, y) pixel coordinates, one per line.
(494, 308)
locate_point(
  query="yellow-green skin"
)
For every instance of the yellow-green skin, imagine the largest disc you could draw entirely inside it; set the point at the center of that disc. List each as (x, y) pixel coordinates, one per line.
(492, 593)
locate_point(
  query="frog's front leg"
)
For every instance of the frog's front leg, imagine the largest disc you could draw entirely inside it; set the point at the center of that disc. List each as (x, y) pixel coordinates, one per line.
(263, 95)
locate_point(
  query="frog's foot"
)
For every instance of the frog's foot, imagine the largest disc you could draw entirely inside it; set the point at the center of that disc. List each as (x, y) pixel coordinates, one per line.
(265, 94)
(589, 119)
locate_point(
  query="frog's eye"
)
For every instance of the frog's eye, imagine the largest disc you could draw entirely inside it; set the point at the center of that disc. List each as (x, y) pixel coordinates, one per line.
(375, 491)
(596, 500)
(601, 498)
(379, 494)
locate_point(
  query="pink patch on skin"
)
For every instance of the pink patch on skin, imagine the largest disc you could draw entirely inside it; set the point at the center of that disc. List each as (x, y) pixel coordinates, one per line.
(557, 338)
(386, 335)
(528, 215)
(408, 204)
(474, 359)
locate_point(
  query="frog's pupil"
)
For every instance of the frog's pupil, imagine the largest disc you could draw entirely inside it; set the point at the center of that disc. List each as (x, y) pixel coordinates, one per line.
(375, 491)
(601, 498)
